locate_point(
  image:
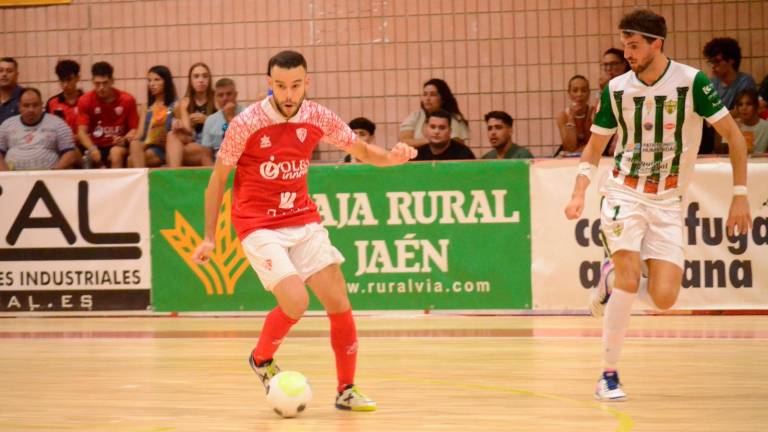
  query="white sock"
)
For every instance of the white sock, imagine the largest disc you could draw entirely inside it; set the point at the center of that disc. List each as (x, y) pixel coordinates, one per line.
(615, 323)
(644, 296)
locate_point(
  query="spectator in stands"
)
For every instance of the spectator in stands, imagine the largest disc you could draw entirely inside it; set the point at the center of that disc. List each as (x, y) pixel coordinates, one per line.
(64, 104)
(10, 91)
(574, 122)
(183, 143)
(754, 128)
(155, 119)
(724, 56)
(612, 65)
(216, 124)
(441, 146)
(106, 120)
(763, 98)
(499, 127)
(365, 129)
(34, 140)
(436, 96)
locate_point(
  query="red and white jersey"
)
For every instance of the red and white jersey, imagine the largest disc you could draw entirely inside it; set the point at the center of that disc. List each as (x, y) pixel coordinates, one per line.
(272, 157)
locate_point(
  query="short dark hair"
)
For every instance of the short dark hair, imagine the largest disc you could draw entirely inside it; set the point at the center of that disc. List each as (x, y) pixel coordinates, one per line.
(65, 69)
(10, 60)
(102, 68)
(726, 47)
(751, 94)
(440, 114)
(224, 82)
(646, 21)
(287, 60)
(500, 115)
(620, 54)
(31, 89)
(363, 123)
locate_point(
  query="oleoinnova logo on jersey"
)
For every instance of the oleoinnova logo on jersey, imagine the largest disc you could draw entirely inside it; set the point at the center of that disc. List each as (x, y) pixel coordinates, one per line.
(286, 170)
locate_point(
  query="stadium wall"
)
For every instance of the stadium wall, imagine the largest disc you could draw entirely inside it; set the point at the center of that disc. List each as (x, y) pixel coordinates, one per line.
(370, 58)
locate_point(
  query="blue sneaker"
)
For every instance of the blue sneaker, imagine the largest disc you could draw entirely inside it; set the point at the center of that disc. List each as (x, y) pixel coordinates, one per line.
(602, 293)
(609, 388)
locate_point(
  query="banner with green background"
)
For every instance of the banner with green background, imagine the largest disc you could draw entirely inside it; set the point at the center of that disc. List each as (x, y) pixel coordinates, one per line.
(421, 236)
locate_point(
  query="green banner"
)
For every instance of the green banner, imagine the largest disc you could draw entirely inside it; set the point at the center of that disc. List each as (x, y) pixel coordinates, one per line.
(422, 236)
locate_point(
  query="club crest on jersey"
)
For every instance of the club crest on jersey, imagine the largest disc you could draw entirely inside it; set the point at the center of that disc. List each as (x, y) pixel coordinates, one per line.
(265, 142)
(670, 106)
(118, 110)
(301, 133)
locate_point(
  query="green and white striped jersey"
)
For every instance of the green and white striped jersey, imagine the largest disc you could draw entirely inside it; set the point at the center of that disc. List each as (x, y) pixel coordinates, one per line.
(658, 129)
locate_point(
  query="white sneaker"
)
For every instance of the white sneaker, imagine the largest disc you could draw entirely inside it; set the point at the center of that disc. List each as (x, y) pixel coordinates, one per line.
(602, 293)
(609, 388)
(351, 399)
(265, 372)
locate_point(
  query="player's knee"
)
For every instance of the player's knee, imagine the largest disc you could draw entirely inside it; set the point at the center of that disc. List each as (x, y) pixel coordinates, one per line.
(297, 306)
(338, 304)
(627, 280)
(665, 301)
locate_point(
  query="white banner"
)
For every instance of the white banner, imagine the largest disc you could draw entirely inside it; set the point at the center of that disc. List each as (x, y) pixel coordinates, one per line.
(74, 240)
(720, 273)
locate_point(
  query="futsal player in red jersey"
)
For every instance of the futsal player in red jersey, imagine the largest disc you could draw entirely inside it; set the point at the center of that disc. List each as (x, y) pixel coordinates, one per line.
(270, 145)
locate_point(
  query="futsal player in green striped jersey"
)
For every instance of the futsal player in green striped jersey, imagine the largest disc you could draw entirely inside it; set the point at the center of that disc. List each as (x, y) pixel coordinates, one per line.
(656, 111)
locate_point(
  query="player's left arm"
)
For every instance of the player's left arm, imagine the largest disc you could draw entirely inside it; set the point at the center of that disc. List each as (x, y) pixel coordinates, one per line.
(707, 103)
(338, 133)
(738, 215)
(377, 156)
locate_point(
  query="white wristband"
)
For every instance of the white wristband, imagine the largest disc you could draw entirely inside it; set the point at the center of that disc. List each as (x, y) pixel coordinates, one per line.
(740, 190)
(587, 170)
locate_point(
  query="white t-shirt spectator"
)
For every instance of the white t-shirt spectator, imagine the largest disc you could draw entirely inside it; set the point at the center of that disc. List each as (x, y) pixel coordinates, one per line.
(35, 147)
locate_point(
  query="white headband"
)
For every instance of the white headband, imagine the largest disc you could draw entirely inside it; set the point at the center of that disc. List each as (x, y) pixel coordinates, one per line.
(643, 33)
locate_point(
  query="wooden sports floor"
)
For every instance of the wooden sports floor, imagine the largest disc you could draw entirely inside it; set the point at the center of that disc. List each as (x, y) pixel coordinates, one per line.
(427, 372)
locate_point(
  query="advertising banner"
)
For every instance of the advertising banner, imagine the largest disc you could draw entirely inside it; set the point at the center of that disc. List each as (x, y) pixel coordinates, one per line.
(74, 241)
(450, 235)
(721, 272)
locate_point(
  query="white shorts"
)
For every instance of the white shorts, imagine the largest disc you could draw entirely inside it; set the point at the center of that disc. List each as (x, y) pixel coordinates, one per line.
(278, 253)
(654, 232)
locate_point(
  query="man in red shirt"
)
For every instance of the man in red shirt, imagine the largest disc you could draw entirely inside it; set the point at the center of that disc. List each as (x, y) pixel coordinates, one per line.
(107, 119)
(64, 104)
(270, 144)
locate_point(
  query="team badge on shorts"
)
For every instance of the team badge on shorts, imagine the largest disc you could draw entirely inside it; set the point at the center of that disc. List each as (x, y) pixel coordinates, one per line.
(617, 229)
(268, 264)
(301, 133)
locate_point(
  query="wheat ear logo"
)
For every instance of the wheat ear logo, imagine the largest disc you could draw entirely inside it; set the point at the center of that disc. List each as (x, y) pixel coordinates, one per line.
(227, 262)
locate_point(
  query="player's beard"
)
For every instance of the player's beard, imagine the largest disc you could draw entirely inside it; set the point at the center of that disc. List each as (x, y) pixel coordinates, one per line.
(279, 105)
(640, 67)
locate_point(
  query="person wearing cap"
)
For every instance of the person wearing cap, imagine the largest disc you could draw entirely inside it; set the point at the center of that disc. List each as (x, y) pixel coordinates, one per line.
(656, 112)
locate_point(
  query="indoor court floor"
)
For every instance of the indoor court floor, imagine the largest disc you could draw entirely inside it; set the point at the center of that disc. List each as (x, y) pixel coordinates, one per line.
(427, 372)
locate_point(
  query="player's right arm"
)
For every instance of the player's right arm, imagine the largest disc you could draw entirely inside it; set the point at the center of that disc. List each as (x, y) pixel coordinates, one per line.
(590, 157)
(229, 153)
(603, 128)
(213, 196)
